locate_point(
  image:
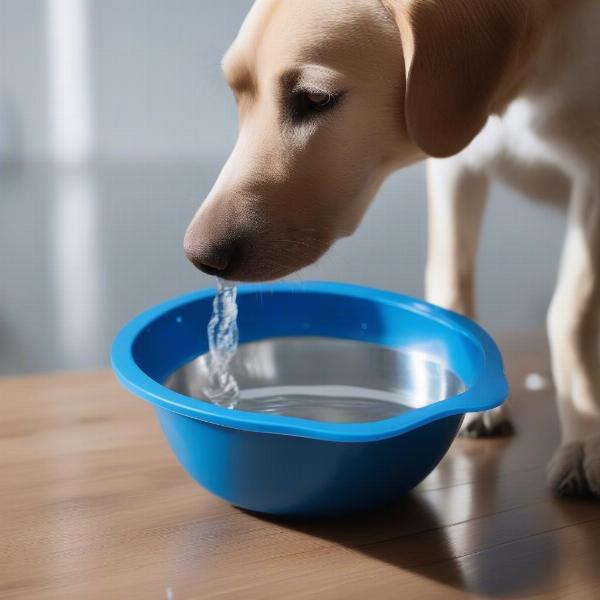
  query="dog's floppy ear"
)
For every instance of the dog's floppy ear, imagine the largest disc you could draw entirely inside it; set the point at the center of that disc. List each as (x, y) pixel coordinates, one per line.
(457, 53)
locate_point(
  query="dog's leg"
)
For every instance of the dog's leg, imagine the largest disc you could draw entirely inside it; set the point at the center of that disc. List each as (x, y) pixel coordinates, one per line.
(457, 198)
(574, 327)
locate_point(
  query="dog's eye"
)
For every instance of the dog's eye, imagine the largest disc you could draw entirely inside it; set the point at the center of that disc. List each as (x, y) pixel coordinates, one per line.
(306, 103)
(319, 100)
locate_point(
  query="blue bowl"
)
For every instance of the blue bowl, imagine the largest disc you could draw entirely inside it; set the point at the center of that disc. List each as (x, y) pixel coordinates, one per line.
(285, 465)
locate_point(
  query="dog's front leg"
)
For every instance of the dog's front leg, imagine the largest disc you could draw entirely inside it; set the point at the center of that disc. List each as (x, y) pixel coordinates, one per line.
(574, 327)
(457, 196)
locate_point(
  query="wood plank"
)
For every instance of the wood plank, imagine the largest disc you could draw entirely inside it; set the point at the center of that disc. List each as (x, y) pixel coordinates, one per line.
(93, 505)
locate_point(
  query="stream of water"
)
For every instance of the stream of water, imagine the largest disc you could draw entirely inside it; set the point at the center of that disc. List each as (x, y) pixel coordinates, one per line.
(221, 387)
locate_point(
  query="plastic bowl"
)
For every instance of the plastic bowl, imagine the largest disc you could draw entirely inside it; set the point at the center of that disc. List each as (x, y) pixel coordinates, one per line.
(286, 465)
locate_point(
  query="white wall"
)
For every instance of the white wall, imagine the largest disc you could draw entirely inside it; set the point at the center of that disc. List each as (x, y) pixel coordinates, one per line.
(156, 98)
(156, 91)
(23, 90)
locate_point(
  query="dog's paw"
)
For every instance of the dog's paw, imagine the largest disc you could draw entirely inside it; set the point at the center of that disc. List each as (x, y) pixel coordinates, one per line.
(575, 468)
(490, 423)
(591, 463)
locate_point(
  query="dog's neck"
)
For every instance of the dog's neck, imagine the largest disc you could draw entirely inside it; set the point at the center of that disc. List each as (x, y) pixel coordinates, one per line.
(543, 16)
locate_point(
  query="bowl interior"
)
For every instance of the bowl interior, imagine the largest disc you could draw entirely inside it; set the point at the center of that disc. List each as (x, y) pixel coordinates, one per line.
(326, 379)
(421, 337)
(173, 335)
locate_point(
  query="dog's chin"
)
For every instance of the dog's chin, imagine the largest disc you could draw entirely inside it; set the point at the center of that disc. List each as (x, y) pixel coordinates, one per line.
(257, 273)
(258, 268)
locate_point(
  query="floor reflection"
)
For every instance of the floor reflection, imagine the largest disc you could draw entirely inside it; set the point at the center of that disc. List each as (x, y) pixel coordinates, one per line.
(78, 272)
(81, 252)
(137, 213)
(408, 536)
(452, 530)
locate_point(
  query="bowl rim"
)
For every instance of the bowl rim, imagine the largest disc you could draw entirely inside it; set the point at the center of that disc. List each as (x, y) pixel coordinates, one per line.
(488, 391)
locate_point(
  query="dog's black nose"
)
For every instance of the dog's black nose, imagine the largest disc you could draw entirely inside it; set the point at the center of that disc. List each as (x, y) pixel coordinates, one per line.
(211, 259)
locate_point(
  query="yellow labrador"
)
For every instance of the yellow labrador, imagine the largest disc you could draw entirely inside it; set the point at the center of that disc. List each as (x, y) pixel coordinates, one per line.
(334, 95)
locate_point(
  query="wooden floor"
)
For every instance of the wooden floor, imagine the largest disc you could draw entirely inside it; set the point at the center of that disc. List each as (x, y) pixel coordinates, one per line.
(93, 505)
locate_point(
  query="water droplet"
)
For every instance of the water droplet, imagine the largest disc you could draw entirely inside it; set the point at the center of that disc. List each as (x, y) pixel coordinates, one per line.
(536, 382)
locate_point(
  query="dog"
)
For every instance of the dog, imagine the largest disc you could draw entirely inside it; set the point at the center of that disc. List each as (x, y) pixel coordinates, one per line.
(334, 95)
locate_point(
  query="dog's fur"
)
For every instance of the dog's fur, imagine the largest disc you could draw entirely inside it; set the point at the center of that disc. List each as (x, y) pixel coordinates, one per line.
(486, 88)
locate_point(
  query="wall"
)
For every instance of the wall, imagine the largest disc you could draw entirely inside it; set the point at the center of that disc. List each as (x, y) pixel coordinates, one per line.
(83, 249)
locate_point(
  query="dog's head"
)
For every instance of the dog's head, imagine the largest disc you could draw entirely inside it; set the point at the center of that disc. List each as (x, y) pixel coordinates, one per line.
(326, 112)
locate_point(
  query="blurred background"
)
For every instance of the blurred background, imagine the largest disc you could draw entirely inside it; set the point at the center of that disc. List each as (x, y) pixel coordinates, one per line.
(114, 122)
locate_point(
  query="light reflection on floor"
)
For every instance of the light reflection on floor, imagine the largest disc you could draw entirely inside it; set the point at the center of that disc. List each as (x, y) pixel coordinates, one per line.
(77, 271)
(81, 252)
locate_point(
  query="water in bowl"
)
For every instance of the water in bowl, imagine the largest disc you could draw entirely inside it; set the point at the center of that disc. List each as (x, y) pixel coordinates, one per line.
(310, 377)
